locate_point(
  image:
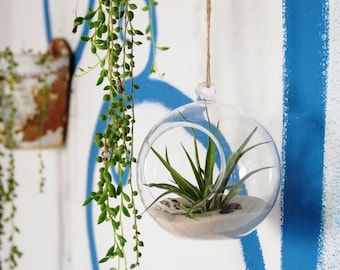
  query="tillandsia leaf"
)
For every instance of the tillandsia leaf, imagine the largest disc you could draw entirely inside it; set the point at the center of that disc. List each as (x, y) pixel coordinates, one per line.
(206, 196)
(158, 198)
(198, 206)
(210, 158)
(175, 190)
(236, 188)
(209, 163)
(200, 176)
(234, 158)
(182, 183)
(196, 170)
(230, 166)
(198, 163)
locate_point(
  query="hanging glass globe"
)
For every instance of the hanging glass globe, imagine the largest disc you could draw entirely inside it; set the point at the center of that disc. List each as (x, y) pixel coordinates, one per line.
(208, 171)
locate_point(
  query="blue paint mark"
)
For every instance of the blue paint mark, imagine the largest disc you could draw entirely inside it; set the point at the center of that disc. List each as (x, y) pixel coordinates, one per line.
(304, 92)
(252, 252)
(89, 187)
(47, 17)
(78, 52)
(91, 165)
(81, 45)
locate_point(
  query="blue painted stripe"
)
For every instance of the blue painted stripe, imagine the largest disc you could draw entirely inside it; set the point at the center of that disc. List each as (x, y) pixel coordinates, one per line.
(303, 136)
(80, 46)
(78, 52)
(252, 252)
(94, 152)
(47, 18)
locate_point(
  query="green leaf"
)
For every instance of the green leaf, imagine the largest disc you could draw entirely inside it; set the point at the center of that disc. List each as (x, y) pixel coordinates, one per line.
(234, 158)
(120, 253)
(102, 216)
(100, 80)
(126, 211)
(113, 212)
(112, 190)
(121, 239)
(210, 158)
(115, 224)
(236, 188)
(110, 251)
(163, 48)
(138, 32)
(105, 259)
(87, 201)
(119, 189)
(182, 183)
(209, 163)
(133, 6)
(84, 39)
(107, 176)
(174, 190)
(78, 20)
(101, 16)
(140, 243)
(126, 197)
(102, 198)
(148, 28)
(130, 15)
(196, 171)
(90, 14)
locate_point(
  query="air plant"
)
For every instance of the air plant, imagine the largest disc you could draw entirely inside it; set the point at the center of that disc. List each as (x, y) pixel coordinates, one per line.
(206, 194)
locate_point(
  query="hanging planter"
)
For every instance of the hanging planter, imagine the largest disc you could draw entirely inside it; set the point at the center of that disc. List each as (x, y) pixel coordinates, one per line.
(208, 171)
(35, 93)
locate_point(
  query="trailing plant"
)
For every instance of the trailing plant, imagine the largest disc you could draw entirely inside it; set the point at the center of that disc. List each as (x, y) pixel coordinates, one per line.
(112, 41)
(207, 194)
(8, 181)
(43, 90)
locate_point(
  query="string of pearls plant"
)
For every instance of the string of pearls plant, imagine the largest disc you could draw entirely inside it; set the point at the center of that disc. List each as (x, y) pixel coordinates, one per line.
(8, 181)
(112, 41)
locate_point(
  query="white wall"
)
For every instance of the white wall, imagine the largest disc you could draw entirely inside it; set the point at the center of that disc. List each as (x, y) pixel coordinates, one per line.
(247, 66)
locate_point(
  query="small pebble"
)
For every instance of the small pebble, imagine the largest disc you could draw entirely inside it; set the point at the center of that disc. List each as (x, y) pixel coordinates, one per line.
(231, 207)
(173, 205)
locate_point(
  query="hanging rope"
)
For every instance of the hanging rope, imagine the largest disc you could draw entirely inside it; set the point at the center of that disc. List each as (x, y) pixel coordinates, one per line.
(208, 75)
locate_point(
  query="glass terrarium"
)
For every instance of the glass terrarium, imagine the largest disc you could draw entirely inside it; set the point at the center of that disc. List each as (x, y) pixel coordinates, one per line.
(208, 171)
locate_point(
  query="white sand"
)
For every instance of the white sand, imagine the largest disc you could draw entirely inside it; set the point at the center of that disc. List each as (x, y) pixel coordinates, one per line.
(213, 225)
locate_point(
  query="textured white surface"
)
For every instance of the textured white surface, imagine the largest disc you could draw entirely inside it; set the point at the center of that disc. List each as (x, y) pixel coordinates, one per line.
(330, 249)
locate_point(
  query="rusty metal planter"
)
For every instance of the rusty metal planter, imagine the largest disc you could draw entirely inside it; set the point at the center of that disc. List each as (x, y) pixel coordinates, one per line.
(40, 94)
